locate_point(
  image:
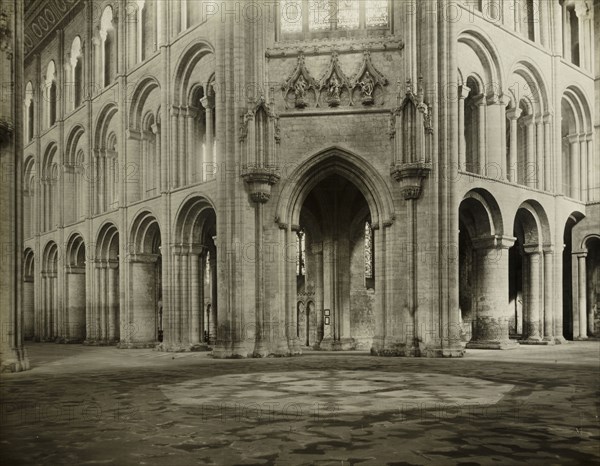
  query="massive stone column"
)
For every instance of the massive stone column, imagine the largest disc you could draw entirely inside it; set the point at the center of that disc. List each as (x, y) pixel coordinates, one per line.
(492, 310)
(582, 295)
(13, 357)
(549, 302)
(75, 322)
(143, 305)
(532, 314)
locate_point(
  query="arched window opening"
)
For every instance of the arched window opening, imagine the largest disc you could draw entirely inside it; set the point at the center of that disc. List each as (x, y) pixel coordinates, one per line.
(77, 72)
(198, 137)
(79, 186)
(472, 129)
(51, 93)
(574, 34)
(29, 189)
(147, 28)
(213, 122)
(150, 156)
(369, 256)
(112, 174)
(300, 253)
(527, 28)
(524, 133)
(29, 107)
(107, 46)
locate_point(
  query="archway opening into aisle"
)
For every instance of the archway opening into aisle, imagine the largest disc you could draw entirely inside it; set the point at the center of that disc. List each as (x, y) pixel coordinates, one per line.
(47, 327)
(105, 325)
(146, 318)
(593, 286)
(567, 275)
(335, 267)
(529, 272)
(195, 271)
(28, 295)
(483, 281)
(75, 325)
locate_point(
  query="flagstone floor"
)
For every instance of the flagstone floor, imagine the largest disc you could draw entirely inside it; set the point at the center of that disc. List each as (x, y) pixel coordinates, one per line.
(97, 405)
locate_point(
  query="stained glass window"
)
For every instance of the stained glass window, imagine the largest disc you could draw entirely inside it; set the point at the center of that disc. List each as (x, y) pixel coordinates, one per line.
(348, 14)
(368, 250)
(320, 14)
(304, 16)
(291, 16)
(377, 13)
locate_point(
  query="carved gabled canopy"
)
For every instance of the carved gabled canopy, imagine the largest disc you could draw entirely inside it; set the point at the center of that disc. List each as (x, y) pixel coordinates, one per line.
(412, 131)
(259, 139)
(299, 83)
(368, 76)
(334, 81)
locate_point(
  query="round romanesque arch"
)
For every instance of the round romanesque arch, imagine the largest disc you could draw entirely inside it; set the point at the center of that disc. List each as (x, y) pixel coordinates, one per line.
(195, 270)
(146, 283)
(75, 261)
(104, 325)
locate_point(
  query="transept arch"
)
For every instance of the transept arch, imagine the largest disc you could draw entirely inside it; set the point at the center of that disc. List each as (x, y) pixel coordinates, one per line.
(345, 163)
(312, 194)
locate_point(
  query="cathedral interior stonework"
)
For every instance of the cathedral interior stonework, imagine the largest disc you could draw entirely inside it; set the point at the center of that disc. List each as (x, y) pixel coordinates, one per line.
(353, 182)
(252, 179)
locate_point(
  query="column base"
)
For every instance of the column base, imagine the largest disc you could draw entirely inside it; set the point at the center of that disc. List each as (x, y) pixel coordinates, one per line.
(136, 344)
(101, 342)
(580, 338)
(396, 348)
(561, 340)
(533, 341)
(14, 360)
(451, 352)
(260, 350)
(549, 340)
(344, 344)
(180, 348)
(492, 344)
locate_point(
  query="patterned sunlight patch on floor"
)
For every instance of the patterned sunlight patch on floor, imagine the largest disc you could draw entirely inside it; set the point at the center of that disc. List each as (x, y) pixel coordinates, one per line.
(341, 391)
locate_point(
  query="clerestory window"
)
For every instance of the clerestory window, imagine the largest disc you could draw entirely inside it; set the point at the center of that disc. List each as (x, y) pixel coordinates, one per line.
(316, 18)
